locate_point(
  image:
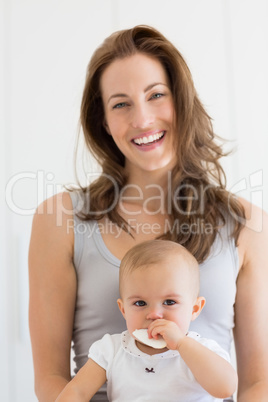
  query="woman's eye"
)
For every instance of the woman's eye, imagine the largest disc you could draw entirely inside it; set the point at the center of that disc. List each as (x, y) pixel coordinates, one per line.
(140, 303)
(119, 105)
(169, 302)
(156, 96)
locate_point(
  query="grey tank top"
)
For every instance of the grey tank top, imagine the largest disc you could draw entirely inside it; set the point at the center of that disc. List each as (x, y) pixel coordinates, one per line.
(97, 269)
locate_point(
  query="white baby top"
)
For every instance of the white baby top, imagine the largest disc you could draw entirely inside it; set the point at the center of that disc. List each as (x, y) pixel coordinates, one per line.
(138, 377)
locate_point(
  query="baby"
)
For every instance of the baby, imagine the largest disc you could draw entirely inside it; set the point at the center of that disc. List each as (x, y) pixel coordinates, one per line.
(156, 359)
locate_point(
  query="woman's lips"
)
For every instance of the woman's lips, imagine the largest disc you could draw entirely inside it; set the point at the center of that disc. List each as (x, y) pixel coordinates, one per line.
(149, 140)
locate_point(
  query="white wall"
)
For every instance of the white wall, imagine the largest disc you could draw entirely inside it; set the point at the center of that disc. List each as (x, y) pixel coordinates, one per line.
(45, 47)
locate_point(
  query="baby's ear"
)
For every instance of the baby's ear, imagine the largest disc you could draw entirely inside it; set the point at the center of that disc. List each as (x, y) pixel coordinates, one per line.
(121, 306)
(198, 307)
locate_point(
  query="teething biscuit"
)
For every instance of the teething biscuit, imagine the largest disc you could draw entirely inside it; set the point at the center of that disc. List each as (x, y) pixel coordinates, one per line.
(142, 336)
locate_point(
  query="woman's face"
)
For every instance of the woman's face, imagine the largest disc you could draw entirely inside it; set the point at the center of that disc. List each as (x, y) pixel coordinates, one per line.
(139, 112)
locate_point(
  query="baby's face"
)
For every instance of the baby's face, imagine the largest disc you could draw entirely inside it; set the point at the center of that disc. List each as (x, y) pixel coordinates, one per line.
(157, 292)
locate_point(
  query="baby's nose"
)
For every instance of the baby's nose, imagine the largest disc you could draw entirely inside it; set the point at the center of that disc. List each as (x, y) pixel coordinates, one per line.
(154, 315)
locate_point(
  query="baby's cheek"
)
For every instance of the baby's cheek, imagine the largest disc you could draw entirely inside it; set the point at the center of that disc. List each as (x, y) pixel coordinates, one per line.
(134, 321)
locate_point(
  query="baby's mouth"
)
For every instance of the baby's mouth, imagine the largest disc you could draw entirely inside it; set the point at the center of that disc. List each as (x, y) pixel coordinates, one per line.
(150, 139)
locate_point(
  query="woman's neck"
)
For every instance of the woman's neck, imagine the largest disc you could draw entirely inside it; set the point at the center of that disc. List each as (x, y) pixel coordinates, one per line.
(149, 189)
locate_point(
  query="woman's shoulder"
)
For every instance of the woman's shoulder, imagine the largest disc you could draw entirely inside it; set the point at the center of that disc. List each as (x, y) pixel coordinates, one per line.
(253, 238)
(58, 203)
(256, 217)
(54, 219)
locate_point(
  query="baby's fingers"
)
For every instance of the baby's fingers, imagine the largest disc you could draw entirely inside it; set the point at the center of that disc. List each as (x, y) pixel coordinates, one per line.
(159, 328)
(154, 326)
(169, 331)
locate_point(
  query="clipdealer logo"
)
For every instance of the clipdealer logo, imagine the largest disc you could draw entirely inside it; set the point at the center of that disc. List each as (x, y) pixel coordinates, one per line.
(43, 186)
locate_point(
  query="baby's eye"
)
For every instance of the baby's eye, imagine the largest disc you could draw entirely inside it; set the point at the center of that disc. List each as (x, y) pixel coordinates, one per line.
(140, 303)
(169, 302)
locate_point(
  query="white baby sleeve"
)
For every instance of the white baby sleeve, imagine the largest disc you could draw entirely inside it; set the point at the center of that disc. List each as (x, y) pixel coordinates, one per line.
(102, 351)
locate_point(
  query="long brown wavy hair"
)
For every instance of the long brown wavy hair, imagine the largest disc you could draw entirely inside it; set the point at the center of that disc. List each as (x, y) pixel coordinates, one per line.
(199, 196)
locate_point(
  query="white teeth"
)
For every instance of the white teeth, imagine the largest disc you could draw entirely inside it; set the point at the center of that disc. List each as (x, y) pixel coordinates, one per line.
(151, 138)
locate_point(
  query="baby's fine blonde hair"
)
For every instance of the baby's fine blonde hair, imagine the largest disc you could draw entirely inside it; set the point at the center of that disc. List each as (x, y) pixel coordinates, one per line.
(152, 252)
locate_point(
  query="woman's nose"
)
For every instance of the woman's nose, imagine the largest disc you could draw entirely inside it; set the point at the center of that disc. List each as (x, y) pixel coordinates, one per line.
(141, 117)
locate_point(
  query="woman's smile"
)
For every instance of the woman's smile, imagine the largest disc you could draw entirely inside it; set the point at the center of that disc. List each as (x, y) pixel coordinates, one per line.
(149, 140)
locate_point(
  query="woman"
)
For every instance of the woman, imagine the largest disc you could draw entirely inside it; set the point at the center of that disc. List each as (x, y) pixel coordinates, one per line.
(143, 121)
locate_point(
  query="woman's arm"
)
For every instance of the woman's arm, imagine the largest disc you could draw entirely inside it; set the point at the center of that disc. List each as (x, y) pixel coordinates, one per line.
(251, 324)
(52, 295)
(85, 384)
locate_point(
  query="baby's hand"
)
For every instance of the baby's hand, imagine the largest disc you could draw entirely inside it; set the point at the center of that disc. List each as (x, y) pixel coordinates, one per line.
(169, 330)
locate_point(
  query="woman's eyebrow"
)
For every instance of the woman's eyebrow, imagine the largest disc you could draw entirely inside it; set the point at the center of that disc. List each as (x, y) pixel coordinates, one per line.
(154, 85)
(117, 96)
(122, 95)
